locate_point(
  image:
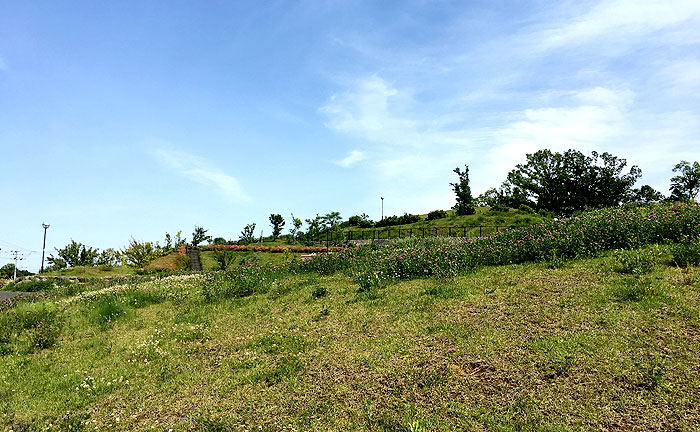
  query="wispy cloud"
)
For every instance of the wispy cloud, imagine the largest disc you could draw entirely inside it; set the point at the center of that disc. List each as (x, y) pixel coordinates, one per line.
(200, 170)
(410, 149)
(352, 158)
(622, 20)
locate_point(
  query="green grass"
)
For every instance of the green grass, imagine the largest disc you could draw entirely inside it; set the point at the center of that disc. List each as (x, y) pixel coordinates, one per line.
(461, 225)
(584, 346)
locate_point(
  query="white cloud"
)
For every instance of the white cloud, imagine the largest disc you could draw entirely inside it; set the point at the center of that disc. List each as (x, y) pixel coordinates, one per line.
(623, 19)
(201, 171)
(412, 150)
(587, 120)
(352, 158)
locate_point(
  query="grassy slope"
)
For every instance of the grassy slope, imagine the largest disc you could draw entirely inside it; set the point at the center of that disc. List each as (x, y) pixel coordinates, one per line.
(483, 217)
(519, 347)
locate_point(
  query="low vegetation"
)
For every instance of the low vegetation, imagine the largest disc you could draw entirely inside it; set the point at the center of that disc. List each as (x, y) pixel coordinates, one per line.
(585, 323)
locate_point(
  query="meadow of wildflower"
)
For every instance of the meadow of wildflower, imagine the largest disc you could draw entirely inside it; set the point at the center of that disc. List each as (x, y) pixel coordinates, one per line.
(584, 323)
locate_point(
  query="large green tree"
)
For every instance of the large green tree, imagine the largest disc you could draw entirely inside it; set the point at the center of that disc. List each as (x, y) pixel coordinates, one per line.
(564, 182)
(685, 185)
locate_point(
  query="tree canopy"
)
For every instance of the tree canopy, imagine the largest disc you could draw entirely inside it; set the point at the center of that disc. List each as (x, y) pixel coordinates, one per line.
(564, 182)
(465, 201)
(685, 185)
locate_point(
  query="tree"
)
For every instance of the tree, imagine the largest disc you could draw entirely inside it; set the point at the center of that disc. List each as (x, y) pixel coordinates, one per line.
(465, 201)
(313, 229)
(277, 222)
(564, 182)
(109, 257)
(506, 195)
(72, 255)
(248, 234)
(362, 221)
(647, 194)
(8, 271)
(331, 220)
(296, 231)
(178, 241)
(219, 241)
(139, 254)
(199, 235)
(686, 185)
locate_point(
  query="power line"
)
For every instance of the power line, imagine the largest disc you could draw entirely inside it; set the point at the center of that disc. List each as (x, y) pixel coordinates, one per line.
(13, 245)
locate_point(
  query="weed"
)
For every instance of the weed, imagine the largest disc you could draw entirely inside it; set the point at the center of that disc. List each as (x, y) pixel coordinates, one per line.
(284, 368)
(321, 314)
(650, 369)
(209, 423)
(320, 291)
(636, 261)
(107, 310)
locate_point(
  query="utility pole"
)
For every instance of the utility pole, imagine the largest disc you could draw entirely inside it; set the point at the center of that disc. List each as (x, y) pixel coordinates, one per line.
(16, 254)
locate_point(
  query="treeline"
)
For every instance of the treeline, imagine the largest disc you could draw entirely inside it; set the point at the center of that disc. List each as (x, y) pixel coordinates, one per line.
(563, 183)
(550, 183)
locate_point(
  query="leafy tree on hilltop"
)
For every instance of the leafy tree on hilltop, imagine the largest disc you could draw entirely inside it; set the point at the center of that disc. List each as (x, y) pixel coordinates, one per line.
(686, 185)
(296, 230)
(277, 222)
(200, 235)
(72, 255)
(139, 254)
(647, 194)
(331, 219)
(248, 234)
(506, 195)
(465, 201)
(564, 182)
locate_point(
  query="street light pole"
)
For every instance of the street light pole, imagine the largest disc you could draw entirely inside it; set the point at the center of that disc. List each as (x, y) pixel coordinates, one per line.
(46, 226)
(382, 208)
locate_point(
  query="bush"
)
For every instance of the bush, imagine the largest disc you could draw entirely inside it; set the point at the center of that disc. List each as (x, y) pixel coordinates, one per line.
(686, 253)
(500, 208)
(635, 262)
(437, 214)
(30, 285)
(526, 209)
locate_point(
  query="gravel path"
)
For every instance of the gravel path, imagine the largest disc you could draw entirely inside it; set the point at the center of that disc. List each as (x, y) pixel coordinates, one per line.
(4, 295)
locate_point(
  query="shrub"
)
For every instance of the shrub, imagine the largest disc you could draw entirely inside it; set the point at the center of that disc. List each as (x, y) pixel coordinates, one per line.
(499, 208)
(636, 262)
(686, 253)
(437, 214)
(526, 209)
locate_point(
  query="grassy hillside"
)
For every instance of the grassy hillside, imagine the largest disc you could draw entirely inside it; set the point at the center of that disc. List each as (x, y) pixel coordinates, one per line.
(503, 348)
(583, 324)
(484, 217)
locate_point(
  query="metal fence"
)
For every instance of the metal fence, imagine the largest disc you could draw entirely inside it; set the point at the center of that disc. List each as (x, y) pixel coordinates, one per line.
(399, 232)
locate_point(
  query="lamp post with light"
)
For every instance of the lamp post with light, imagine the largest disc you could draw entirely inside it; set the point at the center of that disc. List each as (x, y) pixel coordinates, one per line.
(46, 226)
(382, 208)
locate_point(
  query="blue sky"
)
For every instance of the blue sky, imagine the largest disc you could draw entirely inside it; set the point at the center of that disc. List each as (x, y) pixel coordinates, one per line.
(133, 119)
